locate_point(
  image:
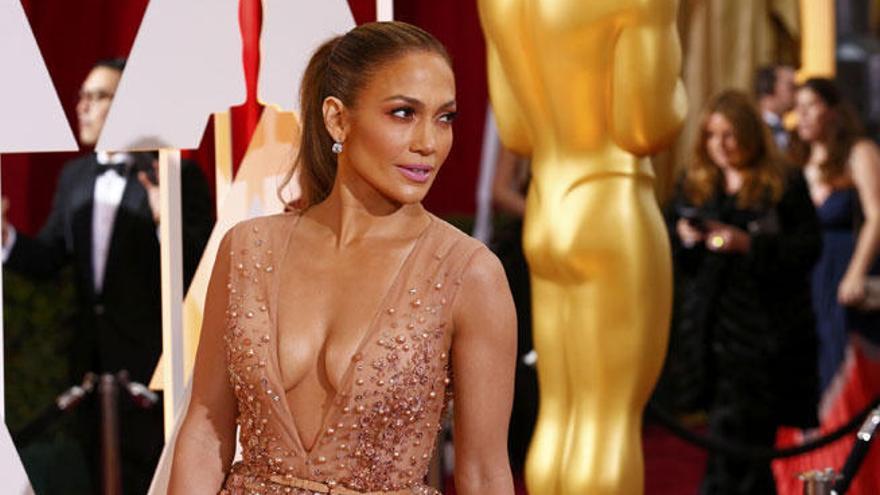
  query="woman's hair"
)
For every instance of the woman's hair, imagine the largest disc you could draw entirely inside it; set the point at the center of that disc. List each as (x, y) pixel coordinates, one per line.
(342, 67)
(762, 173)
(842, 130)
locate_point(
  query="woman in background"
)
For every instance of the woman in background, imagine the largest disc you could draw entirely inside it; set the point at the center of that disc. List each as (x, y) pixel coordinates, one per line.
(842, 169)
(744, 236)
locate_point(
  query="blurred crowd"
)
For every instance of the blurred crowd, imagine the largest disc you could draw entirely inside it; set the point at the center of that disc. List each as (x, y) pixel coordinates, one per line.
(775, 232)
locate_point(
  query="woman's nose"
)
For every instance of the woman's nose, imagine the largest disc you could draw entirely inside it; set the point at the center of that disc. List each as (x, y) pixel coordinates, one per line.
(424, 139)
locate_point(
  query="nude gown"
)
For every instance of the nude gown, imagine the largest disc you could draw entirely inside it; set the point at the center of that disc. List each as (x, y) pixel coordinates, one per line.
(379, 433)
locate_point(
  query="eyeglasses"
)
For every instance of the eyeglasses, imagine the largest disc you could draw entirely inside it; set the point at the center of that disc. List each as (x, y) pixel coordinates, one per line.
(94, 96)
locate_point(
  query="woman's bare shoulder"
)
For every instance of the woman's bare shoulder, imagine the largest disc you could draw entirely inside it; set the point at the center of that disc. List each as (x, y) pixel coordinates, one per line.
(484, 269)
(864, 148)
(479, 267)
(864, 158)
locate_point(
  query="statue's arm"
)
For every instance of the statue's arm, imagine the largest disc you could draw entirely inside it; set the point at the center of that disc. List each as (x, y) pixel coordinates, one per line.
(508, 113)
(648, 101)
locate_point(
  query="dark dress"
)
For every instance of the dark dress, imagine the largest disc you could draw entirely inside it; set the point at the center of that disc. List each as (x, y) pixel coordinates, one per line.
(743, 341)
(849, 346)
(837, 215)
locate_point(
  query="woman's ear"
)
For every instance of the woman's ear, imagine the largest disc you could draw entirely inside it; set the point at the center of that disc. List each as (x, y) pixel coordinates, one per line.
(335, 118)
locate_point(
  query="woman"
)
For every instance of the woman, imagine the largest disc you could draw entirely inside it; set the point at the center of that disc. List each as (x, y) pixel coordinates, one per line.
(842, 169)
(744, 237)
(342, 325)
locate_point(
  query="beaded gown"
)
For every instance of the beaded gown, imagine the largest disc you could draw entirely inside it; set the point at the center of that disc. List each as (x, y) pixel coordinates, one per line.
(379, 431)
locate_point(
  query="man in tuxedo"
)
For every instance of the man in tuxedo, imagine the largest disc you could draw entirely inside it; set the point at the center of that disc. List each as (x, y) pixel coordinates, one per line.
(774, 90)
(104, 222)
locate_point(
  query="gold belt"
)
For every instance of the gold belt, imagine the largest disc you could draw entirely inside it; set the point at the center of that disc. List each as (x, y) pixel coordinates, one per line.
(329, 489)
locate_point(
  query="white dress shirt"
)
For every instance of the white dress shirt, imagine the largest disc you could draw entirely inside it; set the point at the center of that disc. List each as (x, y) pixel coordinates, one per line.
(109, 187)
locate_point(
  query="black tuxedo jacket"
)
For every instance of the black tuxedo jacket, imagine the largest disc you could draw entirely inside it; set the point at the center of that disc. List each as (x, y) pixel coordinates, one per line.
(121, 325)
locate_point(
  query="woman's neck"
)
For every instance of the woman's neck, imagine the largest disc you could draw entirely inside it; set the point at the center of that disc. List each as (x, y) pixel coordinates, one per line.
(733, 180)
(352, 214)
(818, 153)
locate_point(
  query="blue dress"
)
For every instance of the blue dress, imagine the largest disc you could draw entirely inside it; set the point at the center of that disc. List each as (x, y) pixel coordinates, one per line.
(833, 321)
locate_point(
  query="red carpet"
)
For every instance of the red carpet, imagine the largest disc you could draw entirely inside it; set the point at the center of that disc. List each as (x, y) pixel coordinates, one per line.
(855, 387)
(672, 466)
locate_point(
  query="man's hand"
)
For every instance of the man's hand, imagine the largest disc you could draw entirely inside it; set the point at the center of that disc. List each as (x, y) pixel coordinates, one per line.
(151, 188)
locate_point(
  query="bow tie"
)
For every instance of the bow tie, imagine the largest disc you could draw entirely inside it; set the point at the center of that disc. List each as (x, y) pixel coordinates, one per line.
(120, 168)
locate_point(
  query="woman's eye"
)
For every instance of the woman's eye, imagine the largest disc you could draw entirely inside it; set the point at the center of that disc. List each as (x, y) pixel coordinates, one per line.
(448, 118)
(403, 113)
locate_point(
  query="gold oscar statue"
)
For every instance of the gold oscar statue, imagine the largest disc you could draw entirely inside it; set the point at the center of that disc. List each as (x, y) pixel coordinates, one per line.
(587, 89)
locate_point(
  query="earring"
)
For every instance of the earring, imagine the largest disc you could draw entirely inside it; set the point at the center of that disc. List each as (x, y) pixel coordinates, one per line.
(336, 148)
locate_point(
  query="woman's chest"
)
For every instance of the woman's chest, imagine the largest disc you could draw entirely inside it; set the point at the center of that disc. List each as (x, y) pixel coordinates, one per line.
(386, 374)
(386, 331)
(329, 313)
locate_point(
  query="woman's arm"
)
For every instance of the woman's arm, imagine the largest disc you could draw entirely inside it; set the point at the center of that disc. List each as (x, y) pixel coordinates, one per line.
(865, 168)
(506, 191)
(483, 361)
(206, 440)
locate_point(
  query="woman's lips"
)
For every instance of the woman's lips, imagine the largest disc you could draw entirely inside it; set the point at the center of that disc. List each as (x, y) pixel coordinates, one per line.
(416, 173)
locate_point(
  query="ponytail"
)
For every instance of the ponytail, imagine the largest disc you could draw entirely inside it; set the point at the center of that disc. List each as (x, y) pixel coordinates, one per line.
(315, 161)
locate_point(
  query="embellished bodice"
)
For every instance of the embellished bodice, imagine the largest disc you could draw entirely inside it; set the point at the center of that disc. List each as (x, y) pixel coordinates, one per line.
(379, 432)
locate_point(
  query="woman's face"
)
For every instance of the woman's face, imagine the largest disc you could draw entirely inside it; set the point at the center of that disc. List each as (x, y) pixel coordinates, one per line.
(721, 143)
(812, 114)
(400, 130)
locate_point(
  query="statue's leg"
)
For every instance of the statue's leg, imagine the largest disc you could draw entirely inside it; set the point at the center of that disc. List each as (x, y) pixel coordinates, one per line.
(618, 335)
(613, 326)
(552, 427)
(546, 452)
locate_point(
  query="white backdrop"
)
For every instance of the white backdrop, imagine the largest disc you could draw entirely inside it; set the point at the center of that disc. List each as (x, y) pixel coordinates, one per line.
(31, 119)
(185, 64)
(291, 31)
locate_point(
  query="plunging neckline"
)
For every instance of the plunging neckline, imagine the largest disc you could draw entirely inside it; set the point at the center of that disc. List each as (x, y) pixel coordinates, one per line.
(344, 384)
(834, 191)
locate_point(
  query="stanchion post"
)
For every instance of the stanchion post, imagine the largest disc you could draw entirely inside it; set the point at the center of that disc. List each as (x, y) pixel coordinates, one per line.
(858, 452)
(112, 470)
(171, 251)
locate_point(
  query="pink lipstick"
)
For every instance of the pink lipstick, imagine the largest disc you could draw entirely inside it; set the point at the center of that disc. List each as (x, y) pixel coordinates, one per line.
(416, 172)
